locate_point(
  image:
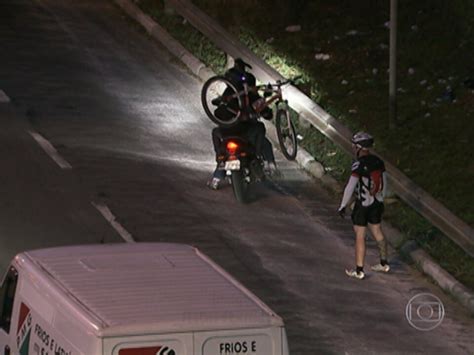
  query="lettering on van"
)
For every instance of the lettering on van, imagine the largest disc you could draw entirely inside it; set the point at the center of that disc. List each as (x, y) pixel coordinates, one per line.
(49, 344)
(238, 347)
(23, 332)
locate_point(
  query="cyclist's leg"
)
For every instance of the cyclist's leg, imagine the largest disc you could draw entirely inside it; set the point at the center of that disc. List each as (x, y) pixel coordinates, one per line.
(375, 219)
(359, 222)
(360, 245)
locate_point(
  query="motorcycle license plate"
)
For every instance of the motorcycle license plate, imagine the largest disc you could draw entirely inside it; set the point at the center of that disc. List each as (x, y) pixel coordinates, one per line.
(232, 165)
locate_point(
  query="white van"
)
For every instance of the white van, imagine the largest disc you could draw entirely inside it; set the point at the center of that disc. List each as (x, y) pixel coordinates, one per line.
(131, 299)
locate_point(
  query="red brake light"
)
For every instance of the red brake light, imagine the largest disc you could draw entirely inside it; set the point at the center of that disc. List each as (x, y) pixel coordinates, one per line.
(232, 147)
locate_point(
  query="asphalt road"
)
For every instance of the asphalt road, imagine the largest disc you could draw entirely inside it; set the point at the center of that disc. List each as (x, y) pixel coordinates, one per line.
(126, 116)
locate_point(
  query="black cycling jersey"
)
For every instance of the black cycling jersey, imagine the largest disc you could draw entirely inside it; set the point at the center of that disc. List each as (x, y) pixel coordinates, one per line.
(369, 170)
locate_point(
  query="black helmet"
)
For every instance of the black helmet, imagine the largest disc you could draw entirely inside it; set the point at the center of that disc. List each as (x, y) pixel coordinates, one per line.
(240, 64)
(362, 140)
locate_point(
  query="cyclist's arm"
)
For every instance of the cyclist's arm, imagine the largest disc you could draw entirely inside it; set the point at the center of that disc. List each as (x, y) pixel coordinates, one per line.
(349, 190)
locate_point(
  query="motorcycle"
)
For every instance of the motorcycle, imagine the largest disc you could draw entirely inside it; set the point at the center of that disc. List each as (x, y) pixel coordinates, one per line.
(242, 166)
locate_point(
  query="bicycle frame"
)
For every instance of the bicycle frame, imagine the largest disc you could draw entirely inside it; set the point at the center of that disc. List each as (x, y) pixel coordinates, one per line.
(273, 88)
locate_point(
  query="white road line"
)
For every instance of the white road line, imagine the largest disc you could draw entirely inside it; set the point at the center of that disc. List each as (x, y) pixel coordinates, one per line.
(105, 211)
(3, 97)
(50, 150)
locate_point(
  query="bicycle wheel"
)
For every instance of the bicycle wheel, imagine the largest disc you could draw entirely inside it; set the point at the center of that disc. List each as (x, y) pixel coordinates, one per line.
(286, 134)
(221, 101)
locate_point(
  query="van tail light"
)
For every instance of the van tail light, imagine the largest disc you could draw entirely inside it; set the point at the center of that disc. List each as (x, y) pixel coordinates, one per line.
(232, 147)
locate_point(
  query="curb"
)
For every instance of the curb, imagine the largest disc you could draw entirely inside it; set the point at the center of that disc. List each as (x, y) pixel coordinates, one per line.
(422, 260)
(307, 162)
(447, 282)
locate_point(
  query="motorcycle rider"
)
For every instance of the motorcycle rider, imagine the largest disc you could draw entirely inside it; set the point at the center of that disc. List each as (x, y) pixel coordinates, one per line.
(248, 126)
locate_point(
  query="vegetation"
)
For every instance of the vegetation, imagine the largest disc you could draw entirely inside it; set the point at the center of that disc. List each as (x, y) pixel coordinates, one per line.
(431, 143)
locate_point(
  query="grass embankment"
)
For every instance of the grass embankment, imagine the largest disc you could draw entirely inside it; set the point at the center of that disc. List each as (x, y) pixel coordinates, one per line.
(432, 143)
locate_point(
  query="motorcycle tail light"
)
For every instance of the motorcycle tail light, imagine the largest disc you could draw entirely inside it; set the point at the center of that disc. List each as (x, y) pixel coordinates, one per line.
(232, 147)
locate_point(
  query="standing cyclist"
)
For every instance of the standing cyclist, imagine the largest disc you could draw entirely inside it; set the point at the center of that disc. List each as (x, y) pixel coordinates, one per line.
(368, 180)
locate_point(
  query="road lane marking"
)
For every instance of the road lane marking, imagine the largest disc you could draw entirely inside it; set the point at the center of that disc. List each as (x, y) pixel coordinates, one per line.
(107, 213)
(3, 97)
(50, 150)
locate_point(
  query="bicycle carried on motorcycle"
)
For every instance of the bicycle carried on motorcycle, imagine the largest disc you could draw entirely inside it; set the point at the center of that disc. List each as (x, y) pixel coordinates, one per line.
(218, 93)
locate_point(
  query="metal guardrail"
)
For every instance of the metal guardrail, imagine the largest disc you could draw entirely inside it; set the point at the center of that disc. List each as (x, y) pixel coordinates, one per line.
(456, 229)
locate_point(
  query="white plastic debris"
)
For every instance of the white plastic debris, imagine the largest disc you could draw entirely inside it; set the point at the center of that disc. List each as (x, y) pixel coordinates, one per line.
(344, 82)
(411, 71)
(299, 137)
(3, 97)
(322, 56)
(293, 28)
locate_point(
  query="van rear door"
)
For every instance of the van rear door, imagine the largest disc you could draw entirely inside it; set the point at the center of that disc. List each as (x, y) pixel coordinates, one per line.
(267, 341)
(166, 344)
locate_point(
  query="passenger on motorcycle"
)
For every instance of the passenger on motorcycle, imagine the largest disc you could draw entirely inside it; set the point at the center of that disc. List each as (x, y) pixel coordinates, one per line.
(247, 127)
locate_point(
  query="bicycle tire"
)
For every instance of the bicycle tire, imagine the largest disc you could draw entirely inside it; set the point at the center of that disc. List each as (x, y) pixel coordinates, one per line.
(208, 95)
(286, 134)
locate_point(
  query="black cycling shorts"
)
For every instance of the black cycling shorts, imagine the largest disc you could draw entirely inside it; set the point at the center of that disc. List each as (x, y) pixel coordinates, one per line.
(372, 214)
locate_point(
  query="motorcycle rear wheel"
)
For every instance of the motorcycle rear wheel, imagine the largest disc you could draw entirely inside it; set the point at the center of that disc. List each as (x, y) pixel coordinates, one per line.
(240, 186)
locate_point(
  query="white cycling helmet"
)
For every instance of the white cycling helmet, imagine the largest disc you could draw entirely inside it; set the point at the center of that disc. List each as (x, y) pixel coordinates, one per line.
(362, 140)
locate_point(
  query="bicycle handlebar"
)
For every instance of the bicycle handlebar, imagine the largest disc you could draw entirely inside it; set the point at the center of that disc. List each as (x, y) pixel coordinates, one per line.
(279, 83)
(289, 81)
(272, 87)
